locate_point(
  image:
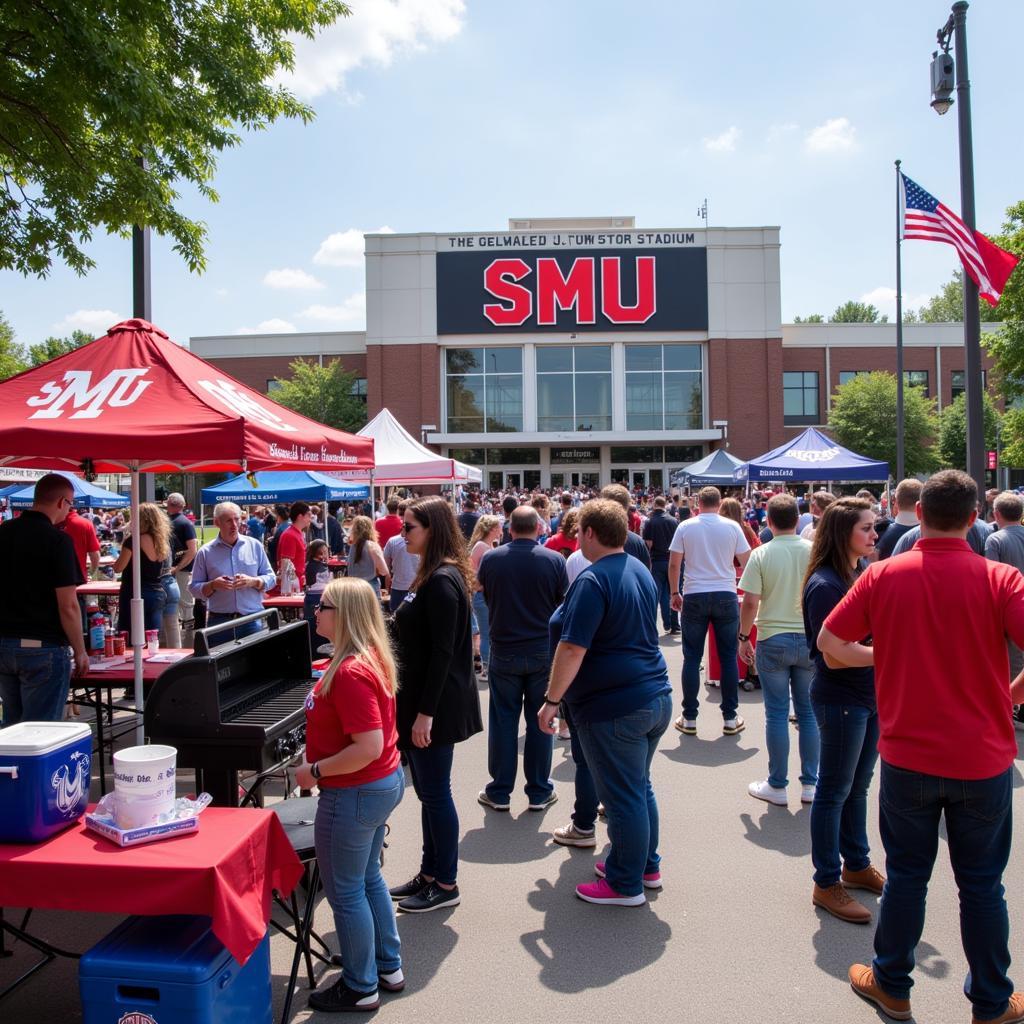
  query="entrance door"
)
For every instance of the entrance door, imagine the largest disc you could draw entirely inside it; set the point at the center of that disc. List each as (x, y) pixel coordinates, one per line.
(513, 481)
(586, 478)
(640, 479)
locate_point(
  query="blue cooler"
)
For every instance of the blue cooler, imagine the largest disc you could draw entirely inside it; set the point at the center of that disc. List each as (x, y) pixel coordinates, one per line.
(172, 970)
(44, 778)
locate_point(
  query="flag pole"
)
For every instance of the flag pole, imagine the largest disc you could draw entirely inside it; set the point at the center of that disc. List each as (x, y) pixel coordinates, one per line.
(900, 455)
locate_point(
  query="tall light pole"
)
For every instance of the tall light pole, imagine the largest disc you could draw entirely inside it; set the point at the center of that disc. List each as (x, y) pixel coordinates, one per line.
(956, 29)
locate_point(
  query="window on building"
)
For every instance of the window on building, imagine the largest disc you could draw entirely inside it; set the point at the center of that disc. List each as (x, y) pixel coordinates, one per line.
(845, 376)
(484, 390)
(637, 453)
(916, 379)
(684, 454)
(959, 379)
(800, 397)
(663, 387)
(273, 385)
(512, 456)
(359, 388)
(574, 387)
(470, 456)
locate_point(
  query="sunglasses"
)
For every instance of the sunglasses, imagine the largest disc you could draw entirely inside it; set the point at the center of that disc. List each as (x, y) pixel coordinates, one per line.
(321, 607)
(65, 501)
(406, 527)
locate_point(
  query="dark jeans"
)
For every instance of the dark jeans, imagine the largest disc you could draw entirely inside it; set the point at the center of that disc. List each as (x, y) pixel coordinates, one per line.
(584, 813)
(154, 598)
(839, 814)
(669, 617)
(33, 681)
(517, 682)
(395, 598)
(431, 770)
(219, 618)
(699, 610)
(979, 829)
(619, 752)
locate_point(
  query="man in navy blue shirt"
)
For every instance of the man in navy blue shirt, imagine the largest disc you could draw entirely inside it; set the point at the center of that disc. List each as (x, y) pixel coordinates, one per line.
(523, 584)
(659, 530)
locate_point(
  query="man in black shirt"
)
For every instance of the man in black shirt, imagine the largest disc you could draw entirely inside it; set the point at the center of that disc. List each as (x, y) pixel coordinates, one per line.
(634, 544)
(908, 494)
(658, 533)
(39, 613)
(468, 518)
(184, 545)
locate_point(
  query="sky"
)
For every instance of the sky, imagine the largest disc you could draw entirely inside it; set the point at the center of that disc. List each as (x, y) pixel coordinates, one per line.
(455, 115)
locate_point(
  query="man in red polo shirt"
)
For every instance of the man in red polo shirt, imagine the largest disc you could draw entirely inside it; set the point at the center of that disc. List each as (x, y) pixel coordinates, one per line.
(939, 616)
(83, 536)
(390, 525)
(292, 542)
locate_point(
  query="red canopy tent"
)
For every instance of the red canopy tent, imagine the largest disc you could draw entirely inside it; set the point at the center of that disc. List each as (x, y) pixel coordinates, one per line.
(133, 401)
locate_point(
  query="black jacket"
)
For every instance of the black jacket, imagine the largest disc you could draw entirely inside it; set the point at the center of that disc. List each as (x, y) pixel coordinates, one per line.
(435, 661)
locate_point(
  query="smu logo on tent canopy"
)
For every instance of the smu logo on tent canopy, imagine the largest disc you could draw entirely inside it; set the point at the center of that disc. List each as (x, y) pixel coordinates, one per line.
(818, 455)
(227, 394)
(118, 388)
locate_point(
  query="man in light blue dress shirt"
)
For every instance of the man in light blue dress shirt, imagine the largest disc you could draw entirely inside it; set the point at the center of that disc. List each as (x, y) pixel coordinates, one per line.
(231, 573)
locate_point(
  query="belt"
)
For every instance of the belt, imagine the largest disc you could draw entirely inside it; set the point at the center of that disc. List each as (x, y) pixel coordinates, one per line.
(29, 643)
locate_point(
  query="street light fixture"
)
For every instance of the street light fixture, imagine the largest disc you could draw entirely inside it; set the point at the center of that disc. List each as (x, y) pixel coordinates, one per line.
(942, 79)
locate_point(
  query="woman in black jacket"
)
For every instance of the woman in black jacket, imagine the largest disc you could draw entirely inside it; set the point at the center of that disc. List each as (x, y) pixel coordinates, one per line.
(438, 703)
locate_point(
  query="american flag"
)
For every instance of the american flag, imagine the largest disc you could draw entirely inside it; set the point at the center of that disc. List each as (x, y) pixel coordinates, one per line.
(925, 217)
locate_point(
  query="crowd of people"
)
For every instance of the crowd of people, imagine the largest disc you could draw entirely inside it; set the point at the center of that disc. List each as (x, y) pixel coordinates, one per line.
(850, 616)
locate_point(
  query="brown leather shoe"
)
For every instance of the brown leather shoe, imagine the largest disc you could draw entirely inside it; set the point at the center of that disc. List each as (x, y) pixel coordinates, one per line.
(862, 981)
(869, 878)
(1014, 1013)
(839, 903)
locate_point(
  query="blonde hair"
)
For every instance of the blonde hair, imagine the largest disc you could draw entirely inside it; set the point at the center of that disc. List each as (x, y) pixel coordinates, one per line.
(361, 531)
(484, 525)
(359, 632)
(153, 520)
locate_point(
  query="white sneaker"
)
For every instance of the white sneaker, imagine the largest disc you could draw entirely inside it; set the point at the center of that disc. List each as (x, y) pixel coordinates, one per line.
(770, 794)
(807, 794)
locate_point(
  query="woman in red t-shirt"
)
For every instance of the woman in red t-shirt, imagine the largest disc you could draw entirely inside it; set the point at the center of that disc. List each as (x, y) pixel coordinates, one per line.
(565, 541)
(351, 754)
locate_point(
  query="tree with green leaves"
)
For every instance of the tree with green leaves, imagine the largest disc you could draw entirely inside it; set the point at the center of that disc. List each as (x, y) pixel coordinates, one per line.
(323, 393)
(952, 446)
(948, 306)
(857, 313)
(106, 107)
(813, 318)
(50, 348)
(12, 356)
(863, 418)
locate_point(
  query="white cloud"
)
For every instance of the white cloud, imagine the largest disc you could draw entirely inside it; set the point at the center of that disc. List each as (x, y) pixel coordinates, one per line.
(883, 299)
(291, 278)
(836, 135)
(352, 310)
(724, 143)
(345, 248)
(92, 321)
(377, 32)
(272, 326)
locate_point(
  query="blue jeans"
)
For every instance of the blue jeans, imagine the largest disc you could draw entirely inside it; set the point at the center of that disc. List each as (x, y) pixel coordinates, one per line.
(517, 681)
(349, 834)
(784, 667)
(431, 770)
(584, 813)
(172, 595)
(619, 752)
(979, 829)
(483, 619)
(34, 681)
(669, 617)
(722, 609)
(153, 600)
(395, 598)
(839, 814)
(219, 618)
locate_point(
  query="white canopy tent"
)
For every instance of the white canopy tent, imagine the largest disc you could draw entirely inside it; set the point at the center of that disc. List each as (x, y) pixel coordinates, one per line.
(401, 459)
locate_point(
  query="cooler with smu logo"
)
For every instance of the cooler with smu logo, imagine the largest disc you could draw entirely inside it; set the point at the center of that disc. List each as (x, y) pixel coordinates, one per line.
(172, 970)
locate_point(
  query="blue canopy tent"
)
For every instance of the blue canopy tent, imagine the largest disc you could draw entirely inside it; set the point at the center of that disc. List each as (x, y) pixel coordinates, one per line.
(810, 457)
(714, 470)
(302, 485)
(87, 495)
(6, 492)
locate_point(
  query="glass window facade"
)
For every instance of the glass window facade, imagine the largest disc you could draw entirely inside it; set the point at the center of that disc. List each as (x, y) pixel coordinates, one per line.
(800, 397)
(664, 387)
(845, 376)
(917, 379)
(574, 387)
(959, 386)
(484, 388)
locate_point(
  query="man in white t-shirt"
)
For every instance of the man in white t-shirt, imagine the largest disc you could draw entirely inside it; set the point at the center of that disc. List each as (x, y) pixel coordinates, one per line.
(710, 545)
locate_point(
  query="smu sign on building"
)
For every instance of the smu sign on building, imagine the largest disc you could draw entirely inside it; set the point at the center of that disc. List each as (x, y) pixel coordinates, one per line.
(572, 281)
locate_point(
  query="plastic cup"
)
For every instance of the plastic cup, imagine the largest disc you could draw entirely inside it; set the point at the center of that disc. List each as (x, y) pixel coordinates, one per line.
(152, 641)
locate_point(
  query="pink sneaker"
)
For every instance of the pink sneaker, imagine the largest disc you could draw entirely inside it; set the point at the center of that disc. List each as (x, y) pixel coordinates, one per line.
(651, 881)
(601, 892)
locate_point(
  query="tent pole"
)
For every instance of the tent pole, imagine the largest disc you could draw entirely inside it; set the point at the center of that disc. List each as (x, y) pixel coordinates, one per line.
(138, 624)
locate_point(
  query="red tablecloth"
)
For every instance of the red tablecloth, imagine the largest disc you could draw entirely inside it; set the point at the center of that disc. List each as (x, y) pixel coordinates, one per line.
(104, 588)
(126, 672)
(226, 870)
(280, 601)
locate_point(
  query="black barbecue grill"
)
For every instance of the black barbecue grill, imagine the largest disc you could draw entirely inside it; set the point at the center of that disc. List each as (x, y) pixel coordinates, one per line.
(237, 705)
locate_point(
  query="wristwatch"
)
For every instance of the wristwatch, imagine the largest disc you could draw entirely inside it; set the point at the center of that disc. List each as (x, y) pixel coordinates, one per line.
(553, 703)
(314, 769)
(743, 637)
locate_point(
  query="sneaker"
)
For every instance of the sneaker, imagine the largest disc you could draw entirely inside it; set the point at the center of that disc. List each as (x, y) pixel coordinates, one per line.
(433, 897)
(713, 683)
(807, 794)
(839, 903)
(675, 631)
(391, 981)
(687, 726)
(339, 998)
(862, 981)
(1013, 1014)
(732, 726)
(770, 794)
(483, 798)
(652, 880)
(601, 892)
(410, 888)
(570, 835)
(869, 878)
(550, 799)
